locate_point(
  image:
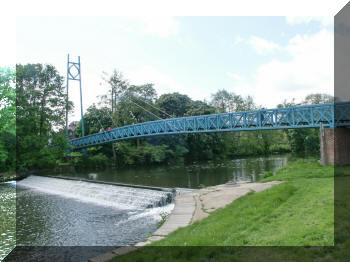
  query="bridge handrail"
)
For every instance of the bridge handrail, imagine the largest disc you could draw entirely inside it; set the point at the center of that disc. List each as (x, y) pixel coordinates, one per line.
(182, 117)
(282, 109)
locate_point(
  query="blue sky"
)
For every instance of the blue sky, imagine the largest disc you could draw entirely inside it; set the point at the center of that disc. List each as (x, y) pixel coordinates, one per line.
(269, 58)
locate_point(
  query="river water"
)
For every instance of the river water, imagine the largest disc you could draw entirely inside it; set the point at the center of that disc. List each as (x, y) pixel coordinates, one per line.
(194, 175)
(7, 218)
(59, 212)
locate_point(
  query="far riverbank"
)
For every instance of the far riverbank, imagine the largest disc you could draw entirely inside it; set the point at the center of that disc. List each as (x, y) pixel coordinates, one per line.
(9, 176)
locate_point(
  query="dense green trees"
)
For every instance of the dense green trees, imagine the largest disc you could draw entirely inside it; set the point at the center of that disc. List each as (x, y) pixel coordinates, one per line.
(128, 104)
(306, 141)
(7, 120)
(41, 142)
(175, 104)
(225, 101)
(40, 111)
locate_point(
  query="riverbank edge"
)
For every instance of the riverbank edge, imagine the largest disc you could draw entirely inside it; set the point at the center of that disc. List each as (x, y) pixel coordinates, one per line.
(57, 170)
(165, 189)
(11, 176)
(188, 209)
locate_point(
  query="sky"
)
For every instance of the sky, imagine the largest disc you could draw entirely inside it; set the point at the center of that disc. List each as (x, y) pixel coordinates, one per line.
(270, 58)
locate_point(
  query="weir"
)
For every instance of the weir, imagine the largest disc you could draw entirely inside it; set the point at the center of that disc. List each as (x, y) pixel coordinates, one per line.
(121, 197)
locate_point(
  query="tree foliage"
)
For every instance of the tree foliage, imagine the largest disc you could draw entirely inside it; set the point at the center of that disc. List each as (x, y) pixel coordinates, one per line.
(40, 110)
(41, 143)
(7, 100)
(305, 141)
(174, 104)
(135, 104)
(225, 101)
(7, 120)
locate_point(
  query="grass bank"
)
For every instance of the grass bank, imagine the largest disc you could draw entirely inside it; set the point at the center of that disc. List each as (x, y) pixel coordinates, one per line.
(299, 212)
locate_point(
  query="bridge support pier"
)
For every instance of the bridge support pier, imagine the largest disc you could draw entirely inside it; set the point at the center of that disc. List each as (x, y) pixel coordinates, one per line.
(335, 146)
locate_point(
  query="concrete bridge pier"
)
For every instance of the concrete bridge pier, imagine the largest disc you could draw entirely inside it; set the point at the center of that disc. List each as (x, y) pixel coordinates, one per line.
(335, 146)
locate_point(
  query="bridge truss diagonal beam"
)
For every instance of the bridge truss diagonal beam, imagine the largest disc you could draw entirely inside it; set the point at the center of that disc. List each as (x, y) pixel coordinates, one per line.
(309, 116)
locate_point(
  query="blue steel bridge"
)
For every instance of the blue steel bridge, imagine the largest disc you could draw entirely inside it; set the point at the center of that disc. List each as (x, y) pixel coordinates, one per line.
(309, 116)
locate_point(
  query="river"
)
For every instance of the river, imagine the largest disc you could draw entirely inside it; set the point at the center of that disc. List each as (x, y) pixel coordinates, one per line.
(59, 212)
(195, 175)
(7, 217)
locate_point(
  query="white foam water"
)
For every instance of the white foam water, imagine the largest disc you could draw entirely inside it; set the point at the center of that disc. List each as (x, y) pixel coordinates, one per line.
(12, 183)
(120, 197)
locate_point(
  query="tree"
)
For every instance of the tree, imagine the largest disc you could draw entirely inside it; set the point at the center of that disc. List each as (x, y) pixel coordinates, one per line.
(225, 101)
(7, 100)
(95, 119)
(126, 104)
(7, 120)
(174, 104)
(144, 92)
(286, 103)
(244, 104)
(40, 108)
(313, 99)
(200, 108)
(118, 85)
(306, 140)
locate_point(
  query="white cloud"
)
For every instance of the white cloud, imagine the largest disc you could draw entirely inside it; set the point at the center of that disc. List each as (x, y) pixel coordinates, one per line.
(238, 40)
(309, 70)
(263, 46)
(148, 74)
(324, 20)
(8, 43)
(160, 26)
(235, 76)
(260, 45)
(165, 82)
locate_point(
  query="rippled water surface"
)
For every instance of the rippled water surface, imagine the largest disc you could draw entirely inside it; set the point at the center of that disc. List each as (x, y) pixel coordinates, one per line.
(60, 212)
(7, 218)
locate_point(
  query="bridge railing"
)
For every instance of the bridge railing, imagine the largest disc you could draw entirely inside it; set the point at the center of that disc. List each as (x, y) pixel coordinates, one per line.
(330, 115)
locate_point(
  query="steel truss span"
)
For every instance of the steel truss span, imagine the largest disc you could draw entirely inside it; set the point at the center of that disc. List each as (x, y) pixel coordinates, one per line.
(328, 115)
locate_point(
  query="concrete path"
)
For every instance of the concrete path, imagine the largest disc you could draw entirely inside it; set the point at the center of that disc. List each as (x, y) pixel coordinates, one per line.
(191, 207)
(215, 197)
(198, 204)
(181, 216)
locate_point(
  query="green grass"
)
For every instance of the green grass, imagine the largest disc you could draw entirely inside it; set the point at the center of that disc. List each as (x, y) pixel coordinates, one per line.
(298, 212)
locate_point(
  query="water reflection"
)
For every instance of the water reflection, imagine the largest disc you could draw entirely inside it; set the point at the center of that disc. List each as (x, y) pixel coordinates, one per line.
(194, 175)
(250, 170)
(93, 176)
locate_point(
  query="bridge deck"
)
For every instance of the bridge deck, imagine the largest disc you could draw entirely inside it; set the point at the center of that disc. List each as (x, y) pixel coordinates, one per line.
(330, 115)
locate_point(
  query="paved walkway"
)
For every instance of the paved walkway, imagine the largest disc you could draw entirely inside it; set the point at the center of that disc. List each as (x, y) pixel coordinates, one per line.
(181, 216)
(191, 207)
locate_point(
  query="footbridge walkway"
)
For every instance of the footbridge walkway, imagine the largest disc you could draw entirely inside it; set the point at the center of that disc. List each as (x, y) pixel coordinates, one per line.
(309, 116)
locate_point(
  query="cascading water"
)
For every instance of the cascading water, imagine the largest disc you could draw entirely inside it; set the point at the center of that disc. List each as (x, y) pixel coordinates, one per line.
(66, 212)
(102, 194)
